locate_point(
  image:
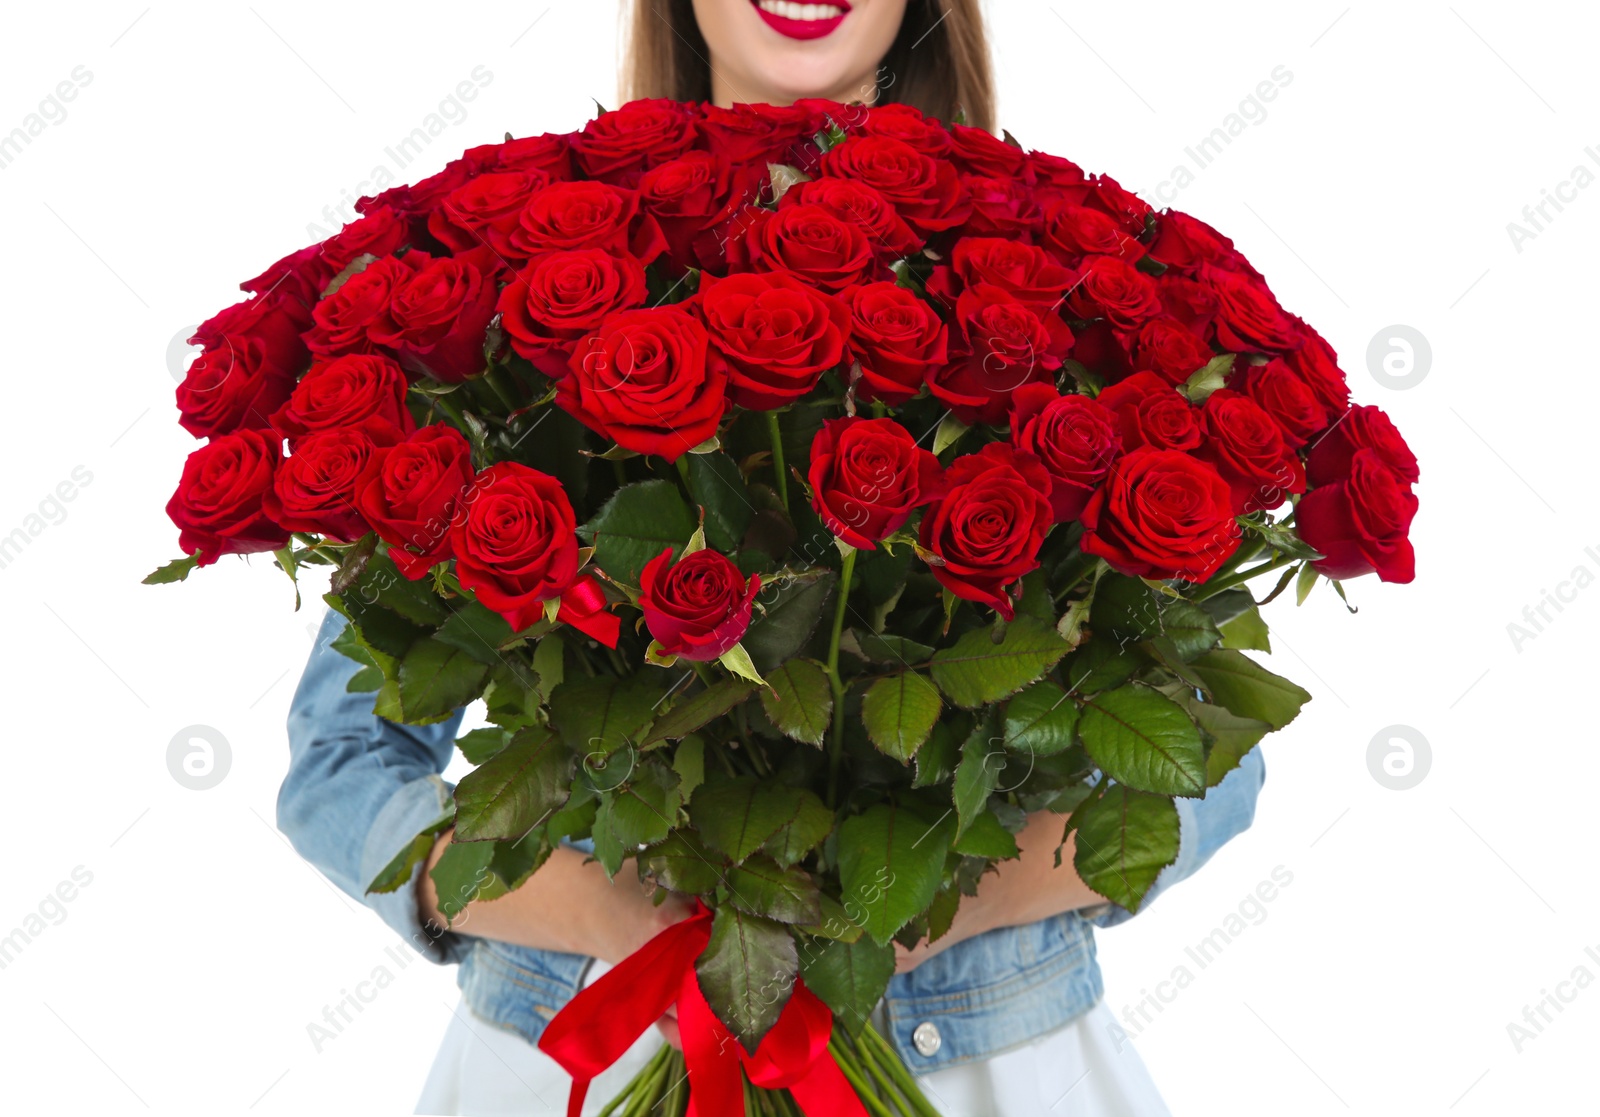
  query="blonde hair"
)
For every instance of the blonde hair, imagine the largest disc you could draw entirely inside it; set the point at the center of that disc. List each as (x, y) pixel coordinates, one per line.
(939, 62)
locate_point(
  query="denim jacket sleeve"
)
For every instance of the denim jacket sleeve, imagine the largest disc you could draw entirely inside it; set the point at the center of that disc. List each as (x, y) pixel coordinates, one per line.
(360, 788)
(1205, 825)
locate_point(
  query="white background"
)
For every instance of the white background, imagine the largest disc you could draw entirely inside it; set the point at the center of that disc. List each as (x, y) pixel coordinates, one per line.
(1377, 191)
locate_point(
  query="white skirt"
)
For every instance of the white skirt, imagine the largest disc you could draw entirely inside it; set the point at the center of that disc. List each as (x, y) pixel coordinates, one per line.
(1076, 1071)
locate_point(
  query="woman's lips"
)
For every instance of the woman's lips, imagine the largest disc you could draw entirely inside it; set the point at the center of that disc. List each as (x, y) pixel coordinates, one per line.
(801, 21)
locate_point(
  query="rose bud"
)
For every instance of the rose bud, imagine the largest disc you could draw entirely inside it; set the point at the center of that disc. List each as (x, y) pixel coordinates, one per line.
(314, 488)
(867, 476)
(217, 505)
(1360, 524)
(989, 525)
(698, 608)
(1074, 437)
(361, 390)
(1161, 514)
(409, 491)
(516, 543)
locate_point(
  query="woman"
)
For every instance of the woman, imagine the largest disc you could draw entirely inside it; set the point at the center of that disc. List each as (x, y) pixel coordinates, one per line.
(1003, 1015)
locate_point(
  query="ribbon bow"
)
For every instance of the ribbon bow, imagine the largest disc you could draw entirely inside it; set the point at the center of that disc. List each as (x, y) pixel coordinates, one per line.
(584, 607)
(604, 1020)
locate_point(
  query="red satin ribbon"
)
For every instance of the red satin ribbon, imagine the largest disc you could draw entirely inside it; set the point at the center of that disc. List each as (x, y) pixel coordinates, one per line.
(602, 1022)
(585, 608)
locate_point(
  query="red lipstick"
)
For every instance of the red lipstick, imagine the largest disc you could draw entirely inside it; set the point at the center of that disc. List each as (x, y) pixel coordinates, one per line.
(794, 28)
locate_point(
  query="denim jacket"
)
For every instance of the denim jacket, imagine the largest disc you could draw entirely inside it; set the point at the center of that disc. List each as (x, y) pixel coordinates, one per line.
(360, 788)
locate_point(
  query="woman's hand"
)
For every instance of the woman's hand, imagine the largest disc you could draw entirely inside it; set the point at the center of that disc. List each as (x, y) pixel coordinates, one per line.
(569, 905)
(1019, 891)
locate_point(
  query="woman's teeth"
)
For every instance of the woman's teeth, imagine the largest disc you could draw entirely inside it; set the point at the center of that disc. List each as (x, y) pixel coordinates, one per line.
(804, 12)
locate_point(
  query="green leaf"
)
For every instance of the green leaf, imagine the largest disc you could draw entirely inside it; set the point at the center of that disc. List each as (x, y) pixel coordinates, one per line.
(435, 680)
(458, 875)
(481, 744)
(899, 712)
(834, 924)
(682, 864)
(950, 431)
(716, 485)
(549, 663)
(689, 761)
(850, 977)
(747, 973)
(1100, 664)
(354, 563)
(603, 714)
(738, 816)
(399, 869)
(1244, 687)
(175, 571)
(874, 648)
(891, 861)
(642, 811)
(936, 760)
(738, 663)
(762, 887)
(983, 758)
(802, 833)
(1304, 583)
(1247, 631)
(1189, 627)
(476, 630)
(1143, 739)
(638, 523)
(988, 839)
(514, 862)
(977, 670)
(791, 615)
(1198, 388)
(515, 790)
(1040, 720)
(799, 700)
(697, 710)
(1124, 840)
(1231, 737)
(381, 584)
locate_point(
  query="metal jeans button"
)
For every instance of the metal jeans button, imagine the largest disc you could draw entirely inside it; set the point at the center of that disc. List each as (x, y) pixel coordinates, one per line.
(926, 1039)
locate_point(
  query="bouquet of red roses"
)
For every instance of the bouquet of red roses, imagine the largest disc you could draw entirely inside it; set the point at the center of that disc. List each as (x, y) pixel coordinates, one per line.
(809, 494)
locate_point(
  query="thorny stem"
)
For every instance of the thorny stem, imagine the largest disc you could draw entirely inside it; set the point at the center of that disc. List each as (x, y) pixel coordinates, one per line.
(836, 745)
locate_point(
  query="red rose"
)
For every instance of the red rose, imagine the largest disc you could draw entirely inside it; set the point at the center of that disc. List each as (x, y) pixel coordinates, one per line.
(688, 196)
(314, 488)
(1110, 288)
(977, 152)
(217, 505)
(381, 232)
(1360, 524)
(1074, 437)
(410, 491)
(562, 296)
(989, 525)
(758, 134)
(231, 386)
(419, 199)
(1001, 207)
(1056, 180)
(1024, 271)
(1102, 350)
(1073, 231)
(437, 320)
(271, 319)
(999, 345)
(1249, 319)
(887, 234)
(896, 337)
(1150, 412)
(1279, 392)
(296, 280)
(910, 127)
(698, 608)
(344, 322)
(1183, 241)
(1248, 448)
(1317, 364)
(1169, 349)
(808, 241)
(1131, 211)
(516, 543)
(777, 334)
(360, 391)
(1362, 428)
(867, 476)
(550, 154)
(484, 210)
(1188, 302)
(926, 192)
(620, 145)
(1161, 514)
(568, 215)
(645, 380)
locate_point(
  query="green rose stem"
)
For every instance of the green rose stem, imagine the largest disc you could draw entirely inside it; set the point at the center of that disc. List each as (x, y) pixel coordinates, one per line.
(452, 412)
(846, 1058)
(779, 471)
(1216, 586)
(315, 545)
(496, 379)
(847, 569)
(890, 1062)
